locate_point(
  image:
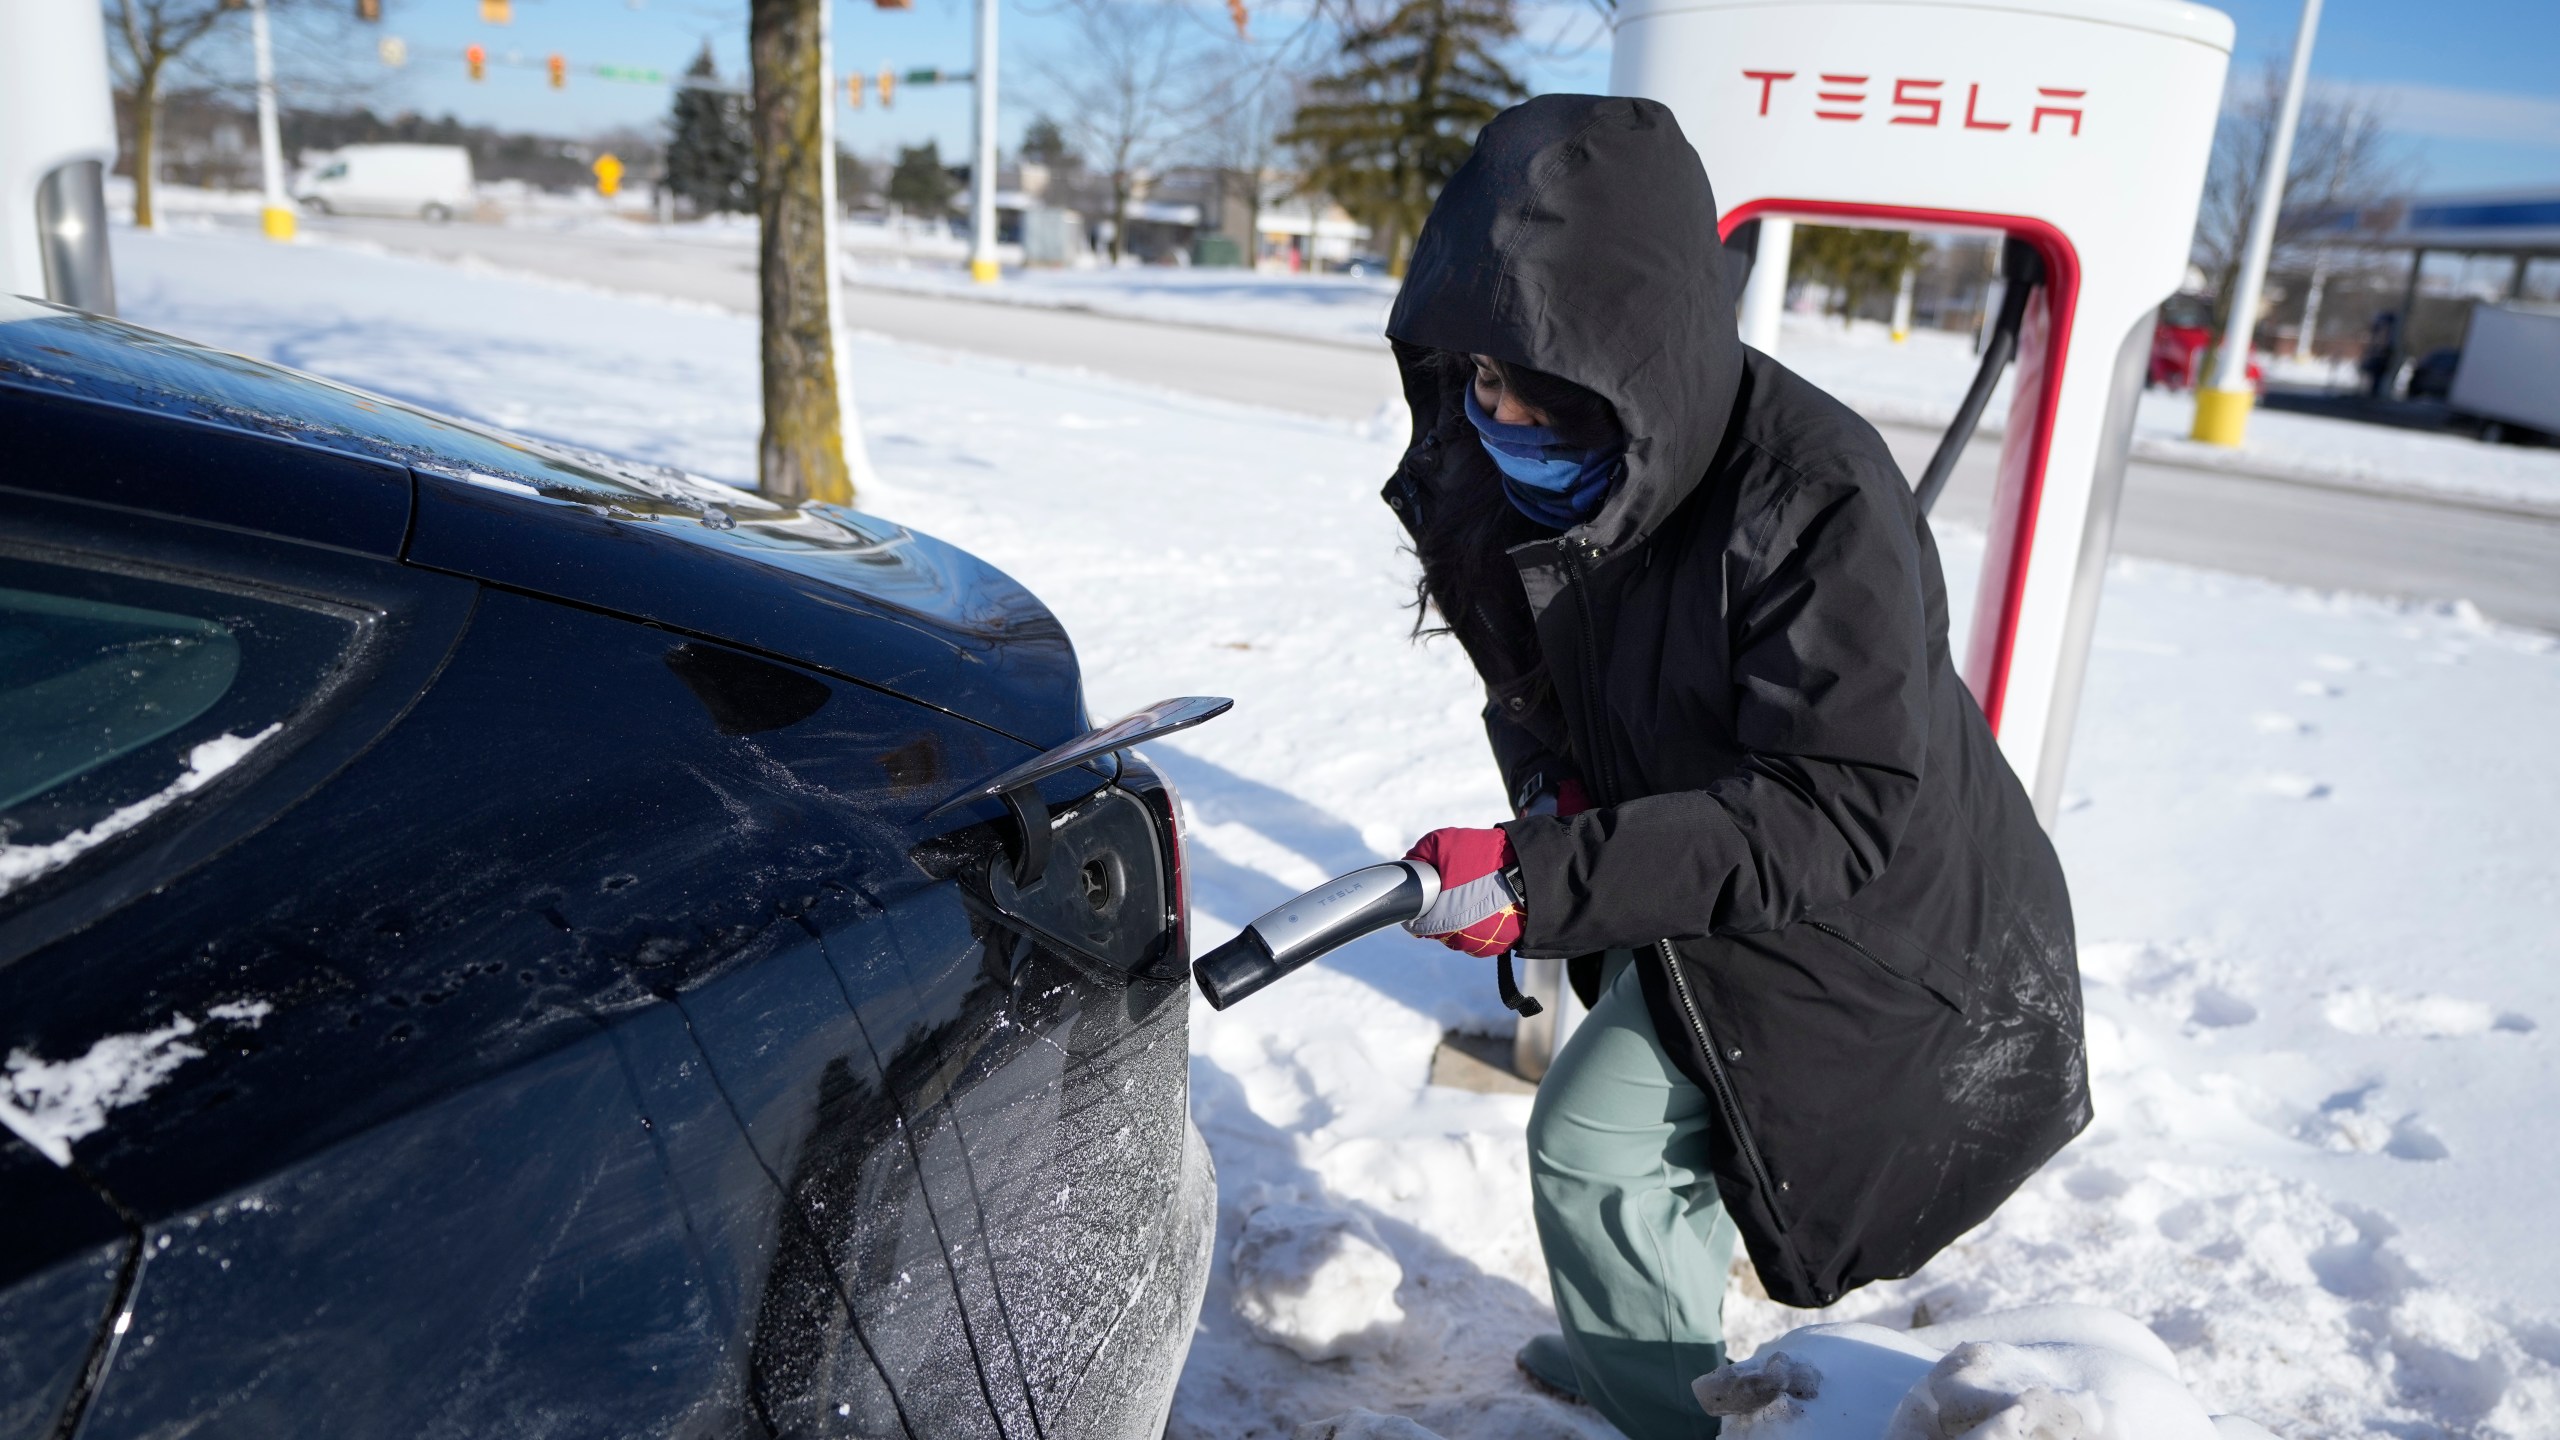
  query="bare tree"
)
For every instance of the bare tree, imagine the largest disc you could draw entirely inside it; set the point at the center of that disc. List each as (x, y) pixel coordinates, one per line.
(1126, 91)
(800, 455)
(1247, 102)
(2340, 163)
(177, 50)
(152, 36)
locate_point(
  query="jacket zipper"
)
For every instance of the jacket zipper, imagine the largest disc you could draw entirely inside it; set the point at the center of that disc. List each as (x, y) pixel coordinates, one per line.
(1591, 678)
(1722, 1084)
(1854, 945)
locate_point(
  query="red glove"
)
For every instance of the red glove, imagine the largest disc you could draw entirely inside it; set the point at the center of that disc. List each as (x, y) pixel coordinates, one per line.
(1478, 911)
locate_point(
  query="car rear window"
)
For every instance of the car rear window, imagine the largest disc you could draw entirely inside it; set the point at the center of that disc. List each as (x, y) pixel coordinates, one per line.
(84, 681)
(128, 695)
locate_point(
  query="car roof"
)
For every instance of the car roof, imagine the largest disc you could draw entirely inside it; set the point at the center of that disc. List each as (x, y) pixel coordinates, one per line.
(825, 585)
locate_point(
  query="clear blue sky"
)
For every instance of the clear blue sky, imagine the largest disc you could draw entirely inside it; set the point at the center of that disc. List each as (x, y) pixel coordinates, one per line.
(2473, 86)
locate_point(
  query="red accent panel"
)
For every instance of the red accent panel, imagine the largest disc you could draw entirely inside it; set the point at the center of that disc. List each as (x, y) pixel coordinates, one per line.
(2062, 281)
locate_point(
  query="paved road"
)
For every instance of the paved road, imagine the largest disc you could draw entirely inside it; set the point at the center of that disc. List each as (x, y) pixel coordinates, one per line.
(2504, 559)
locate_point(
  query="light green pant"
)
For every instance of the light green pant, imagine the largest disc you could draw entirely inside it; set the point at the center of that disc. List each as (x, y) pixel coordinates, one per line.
(1637, 1242)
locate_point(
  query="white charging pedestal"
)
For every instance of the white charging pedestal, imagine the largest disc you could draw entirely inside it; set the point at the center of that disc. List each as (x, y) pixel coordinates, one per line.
(2081, 127)
(57, 138)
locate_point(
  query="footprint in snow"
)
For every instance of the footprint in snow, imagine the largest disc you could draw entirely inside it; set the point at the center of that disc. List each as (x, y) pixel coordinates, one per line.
(2337, 664)
(2289, 786)
(2276, 722)
(2363, 1010)
(2317, 689)
(2357, 1122)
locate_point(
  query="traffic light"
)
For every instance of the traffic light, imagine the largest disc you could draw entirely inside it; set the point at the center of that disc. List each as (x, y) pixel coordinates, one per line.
(893, 4)
(369, 11)
(478, 60)
(608, 175)
(559, 73)
(888, 86)
(497, 12)
(853, 88)
(1236, 12)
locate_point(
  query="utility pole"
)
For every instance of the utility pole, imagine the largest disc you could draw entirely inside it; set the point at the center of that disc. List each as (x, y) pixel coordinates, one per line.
(982, 168)
(2222, 405)
(277, 216)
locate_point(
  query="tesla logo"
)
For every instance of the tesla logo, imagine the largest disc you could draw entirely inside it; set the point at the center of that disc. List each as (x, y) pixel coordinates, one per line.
(1845, 98)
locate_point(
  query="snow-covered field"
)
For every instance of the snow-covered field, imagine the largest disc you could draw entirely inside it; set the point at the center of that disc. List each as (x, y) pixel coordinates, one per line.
(2310, 839)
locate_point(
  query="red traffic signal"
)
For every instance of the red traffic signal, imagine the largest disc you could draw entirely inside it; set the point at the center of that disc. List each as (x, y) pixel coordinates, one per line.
(478, 59)
(559, 73)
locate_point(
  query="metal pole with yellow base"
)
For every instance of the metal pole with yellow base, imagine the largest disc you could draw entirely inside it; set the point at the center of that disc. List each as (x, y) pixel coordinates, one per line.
(277, 217)
(2223, 402)
(982, 163)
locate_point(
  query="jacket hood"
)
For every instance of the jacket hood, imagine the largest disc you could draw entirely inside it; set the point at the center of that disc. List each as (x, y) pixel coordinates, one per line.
(1580, 239)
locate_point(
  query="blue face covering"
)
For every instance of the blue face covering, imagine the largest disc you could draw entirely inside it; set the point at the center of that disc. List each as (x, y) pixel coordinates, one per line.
(1551, 482)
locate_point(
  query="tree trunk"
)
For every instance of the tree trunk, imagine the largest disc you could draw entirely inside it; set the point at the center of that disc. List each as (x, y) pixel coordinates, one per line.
(801, 453)
(146, 143)
(1120, 188)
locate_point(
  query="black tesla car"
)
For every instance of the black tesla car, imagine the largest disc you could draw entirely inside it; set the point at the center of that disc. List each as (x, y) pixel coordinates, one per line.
(501, 942)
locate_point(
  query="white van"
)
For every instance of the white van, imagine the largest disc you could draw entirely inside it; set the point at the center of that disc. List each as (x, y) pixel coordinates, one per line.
(432, 182)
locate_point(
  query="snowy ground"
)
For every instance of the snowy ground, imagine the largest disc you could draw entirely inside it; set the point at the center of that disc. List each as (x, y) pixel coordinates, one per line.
(2310, 844)
(1351, 309)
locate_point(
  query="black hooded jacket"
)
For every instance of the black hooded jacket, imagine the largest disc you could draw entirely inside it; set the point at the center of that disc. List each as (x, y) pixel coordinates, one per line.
(1851, 930)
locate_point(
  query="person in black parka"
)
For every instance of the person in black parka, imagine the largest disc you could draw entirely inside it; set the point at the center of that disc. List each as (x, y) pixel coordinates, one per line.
(1836, 998)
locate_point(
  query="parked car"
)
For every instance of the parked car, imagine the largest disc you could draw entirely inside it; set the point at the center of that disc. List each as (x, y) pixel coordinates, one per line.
(497, 941)
(2432, 377)
(2181, 339)
(431, 182)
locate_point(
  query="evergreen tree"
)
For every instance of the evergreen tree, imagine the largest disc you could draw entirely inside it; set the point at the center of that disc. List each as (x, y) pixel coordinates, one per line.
(1854, 263)
(1043, 143)
(920, 183)
(711, 156)
(1388, 127)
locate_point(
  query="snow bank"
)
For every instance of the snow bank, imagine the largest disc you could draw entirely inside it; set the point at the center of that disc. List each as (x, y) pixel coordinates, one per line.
(2049, 1372)
(52, 1104)
(1314, 1279)
(205, 763)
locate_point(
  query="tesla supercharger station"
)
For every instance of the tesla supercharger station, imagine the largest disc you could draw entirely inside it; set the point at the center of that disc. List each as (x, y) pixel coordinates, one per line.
(2078, 127)
(57, 139)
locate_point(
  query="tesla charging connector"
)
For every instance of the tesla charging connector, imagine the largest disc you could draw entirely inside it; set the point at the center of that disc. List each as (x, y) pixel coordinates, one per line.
(1313, 925)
